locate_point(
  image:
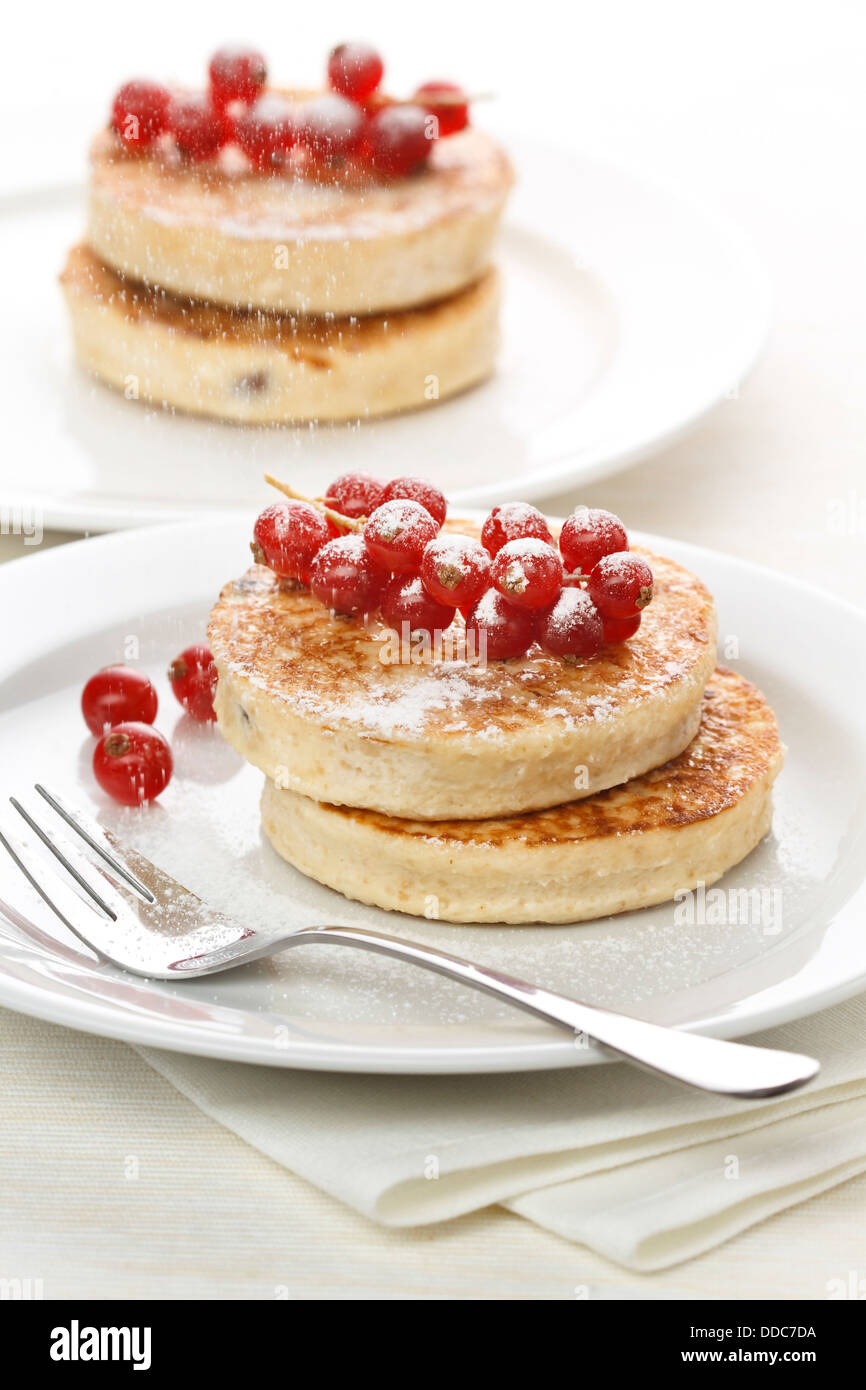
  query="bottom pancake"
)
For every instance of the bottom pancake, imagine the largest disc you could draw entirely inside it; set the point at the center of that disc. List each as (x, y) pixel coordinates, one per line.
(253, 367)
(685, 823)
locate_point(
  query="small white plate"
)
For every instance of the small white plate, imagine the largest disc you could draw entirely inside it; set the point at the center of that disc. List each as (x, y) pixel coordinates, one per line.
(796, 944)
(628, 313)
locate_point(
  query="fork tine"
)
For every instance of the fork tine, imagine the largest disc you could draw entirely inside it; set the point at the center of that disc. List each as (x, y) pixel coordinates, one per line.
(73, 912)
(96, 838)
(72, 862)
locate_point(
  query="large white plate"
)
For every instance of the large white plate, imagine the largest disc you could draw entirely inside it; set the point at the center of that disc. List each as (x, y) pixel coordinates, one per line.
(628, 313)
(76, 608)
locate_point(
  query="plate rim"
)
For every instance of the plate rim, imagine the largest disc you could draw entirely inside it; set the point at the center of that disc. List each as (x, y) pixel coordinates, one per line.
(559, 1052)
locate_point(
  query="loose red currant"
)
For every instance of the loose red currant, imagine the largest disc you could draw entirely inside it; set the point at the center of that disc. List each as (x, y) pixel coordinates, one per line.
(455, 570)
(331, 127)
(198, 127)
(355, 495)
(513, 521)
(286, 537)
(399, 140)
(346, 578)
(621, 585)
(620, 629)
(571, 626)
(116, 694)
(527, 572)
(588, 534)
(193, 677)
(139, 113)
(355, 70)
(419, 490)
(497, 630)
(451, 116)
(397, 533)
(132, 763)
(405, 600)
(266, 130)
(236, 74)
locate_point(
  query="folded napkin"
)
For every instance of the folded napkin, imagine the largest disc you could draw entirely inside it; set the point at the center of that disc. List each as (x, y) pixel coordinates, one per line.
(644, 1172)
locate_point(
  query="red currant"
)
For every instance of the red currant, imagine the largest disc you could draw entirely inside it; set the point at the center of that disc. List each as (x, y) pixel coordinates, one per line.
(498, 629)
(588, 534)
(116, 694)
(621, 585)
(419, 490)
(139, 113)
(399, 140)
(355, 70)
(355, 494)
(236, 74)
(198, 128)
(620, 629)
(455, 570)
(527, 572)
(571, 626)
(397, 533)
(406, 600)
(346, 578)
(286, 537)
(266, 130)
(450, 115)
(132, 763)
(513, 521)
(331, 127)
(193, 677)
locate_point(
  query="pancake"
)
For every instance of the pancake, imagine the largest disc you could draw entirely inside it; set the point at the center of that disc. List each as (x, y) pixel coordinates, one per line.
(257, 368)
(318, 703)
(298, 245)
(661, 834)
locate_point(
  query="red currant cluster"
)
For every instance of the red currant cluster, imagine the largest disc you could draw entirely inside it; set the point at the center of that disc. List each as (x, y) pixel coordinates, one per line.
(369, 545)
(353, 120)
(132, 761)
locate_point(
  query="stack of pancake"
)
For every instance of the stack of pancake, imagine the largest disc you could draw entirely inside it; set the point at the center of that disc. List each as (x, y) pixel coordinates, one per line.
(268, 298)
(531, 790)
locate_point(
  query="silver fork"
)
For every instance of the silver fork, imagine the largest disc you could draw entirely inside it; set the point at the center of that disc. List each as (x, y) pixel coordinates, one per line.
(138, 918)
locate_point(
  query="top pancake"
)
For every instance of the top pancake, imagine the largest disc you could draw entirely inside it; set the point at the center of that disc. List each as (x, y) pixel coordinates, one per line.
(342, 245)
(305, 696)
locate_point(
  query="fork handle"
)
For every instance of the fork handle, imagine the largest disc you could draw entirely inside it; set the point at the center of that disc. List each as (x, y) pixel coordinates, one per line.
(710, 1064)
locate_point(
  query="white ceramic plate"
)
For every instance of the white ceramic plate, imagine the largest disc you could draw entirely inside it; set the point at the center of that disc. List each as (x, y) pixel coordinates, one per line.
(628, 313)
(799, 946)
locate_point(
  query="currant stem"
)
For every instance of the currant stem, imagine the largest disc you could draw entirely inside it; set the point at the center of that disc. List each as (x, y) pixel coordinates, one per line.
(345, 523)
(433, 98)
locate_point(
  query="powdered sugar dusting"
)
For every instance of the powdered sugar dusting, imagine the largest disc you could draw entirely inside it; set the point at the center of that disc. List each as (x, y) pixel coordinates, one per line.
(486, 610)
(412, 706)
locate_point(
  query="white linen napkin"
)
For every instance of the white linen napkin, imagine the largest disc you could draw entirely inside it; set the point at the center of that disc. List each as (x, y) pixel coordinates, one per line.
(644, 1172)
